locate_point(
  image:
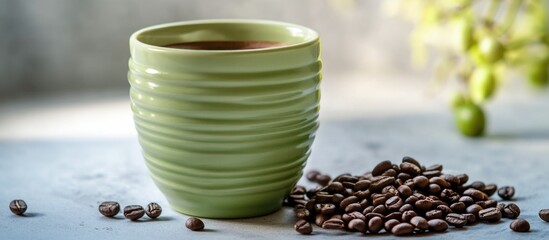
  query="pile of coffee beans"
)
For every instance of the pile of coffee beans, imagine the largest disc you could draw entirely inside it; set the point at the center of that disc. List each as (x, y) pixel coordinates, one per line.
(401, 199)
(131, 212)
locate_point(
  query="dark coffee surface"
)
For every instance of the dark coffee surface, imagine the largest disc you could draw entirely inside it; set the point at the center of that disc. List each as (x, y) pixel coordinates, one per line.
(225, 45)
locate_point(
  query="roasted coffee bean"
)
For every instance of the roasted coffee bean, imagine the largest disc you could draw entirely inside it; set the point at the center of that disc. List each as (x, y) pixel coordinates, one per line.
(449, 195)
(133, 212)
(357, 225)
(458, 207)
(430, 174)
(379, 183)
(456, 220)
(411, 200)
(18, 207)
(440, 182)
(470, 218)
(511, 211)
(153, 210)
(362, 185)
(434, 214)
(323, 197)
(311, 175)
(435, 167)
(375, 224)
(109, 208)
(406, 207)
(451, 179)
(312, 192)
(356, 215)
(403, 176)
(419, 223)
(390, 173)
(445, 209)
(303, 227)
(394, 203)
(337, 198)
(333, 223)
(349, 200)
(381, 167)
(544, 214)
(421, 182)
(404, 191)
(334, 187)
(467, 200)
(380, 209)
(378, 199)
(336, 216)
(372, 215)
(410, 168)
(506, 192)
(194, 224)
(362, 194)
(302, 213)
(322, 179)
(463, 178)
(353, 207)
(489, 215)
(298, 189)
(478, 185)
(402, 229)
(475, 194)
(490, 189)
(310, 205)
(437, 225)
(408, 215)
(389, 224)
(520, 225)
(474, 209)
(367, 210)
(434, 188)
(490, 203)
(424, 204)
(411, 160)
(327, 209)
(500, 208)
(320, 219)
(394, 215)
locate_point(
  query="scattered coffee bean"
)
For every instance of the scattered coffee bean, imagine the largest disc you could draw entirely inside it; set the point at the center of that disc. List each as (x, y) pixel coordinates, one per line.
(456, 220)
(471, 218)
(511, 211)
(109, 208)
(544, 214)
(506, 192)
(357, 225)
(375, 224)
(311, 175)
(323, 180)
(520, 225)
(419, 223)
(133, 212)
(490, 189)
(490, 215)
(402, 229)
(195, 224)
(18, 207)
(153, 210)
(437, 225)
(333, 223)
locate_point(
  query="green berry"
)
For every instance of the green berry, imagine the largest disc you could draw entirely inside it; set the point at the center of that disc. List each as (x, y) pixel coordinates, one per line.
(470, 120)
(538, 74)
(482, 84)
(491, 49)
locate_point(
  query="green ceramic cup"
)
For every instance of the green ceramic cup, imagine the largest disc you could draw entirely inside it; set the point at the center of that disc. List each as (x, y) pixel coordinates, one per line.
(225, 133)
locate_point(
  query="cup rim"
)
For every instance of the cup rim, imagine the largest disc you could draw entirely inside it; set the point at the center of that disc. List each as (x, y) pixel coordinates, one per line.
(137, 43)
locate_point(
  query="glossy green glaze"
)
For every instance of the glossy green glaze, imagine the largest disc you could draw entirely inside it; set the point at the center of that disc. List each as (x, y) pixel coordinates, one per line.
(225, 133)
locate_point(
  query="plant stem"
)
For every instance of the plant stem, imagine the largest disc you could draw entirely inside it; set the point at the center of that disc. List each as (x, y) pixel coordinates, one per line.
(510, 16)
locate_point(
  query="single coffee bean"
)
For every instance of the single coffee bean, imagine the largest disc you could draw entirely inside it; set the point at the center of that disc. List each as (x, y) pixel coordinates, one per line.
(302, 213)
(380, 182)
(478, 185)
(404, 191)
(511, 211)
(380, 209)
(451, 179)
(456, 220)
(311, 175)
(335, 187)
(544, 214)
(394, 203)
(195, 224)
(402, 229)
(470, 218)
(421, 182)
(394, 215)
(475, 194)
(323, 197)
(389, 224)
(403, 176)
(337, 198)
(362, 194)
(473, 209)
(435, 167)
(320, 219)
(445, 209)
(490, 203)
(356, 215)
(440, 181)
(333, 223)
(520, 225)
(322, 179)
(303, 227)
(357, 225)
(490, 215)
(362, 185)
(434, 214)
(437, 225)
(390, 173)
(434, 188)
(133, 212)
(381, 167)
(458, 207)
(375, 224)
(378, 199)
(109, 208)
(410, 168)
(490, 189)
(424, 204)
(408, 215)
(419, 223)
(312, 192)
(368, 209)
(390, 191)
(411, 160)
(463, 178)
(467, 200)
(506, 192)
(406, 207)
(430, 174)
(18, 207)
(349, 200)
(449, 195)
(327, 209)
(153, 210)
(298, 190)
(353, 207)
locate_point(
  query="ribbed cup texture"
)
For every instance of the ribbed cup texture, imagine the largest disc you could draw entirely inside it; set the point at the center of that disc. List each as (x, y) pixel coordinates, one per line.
(225, 134)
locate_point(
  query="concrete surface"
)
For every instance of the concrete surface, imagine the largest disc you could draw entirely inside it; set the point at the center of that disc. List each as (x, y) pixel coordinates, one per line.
(65, 171)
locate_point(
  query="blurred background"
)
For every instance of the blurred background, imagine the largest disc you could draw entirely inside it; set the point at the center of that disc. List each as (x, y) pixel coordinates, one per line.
(63, 63)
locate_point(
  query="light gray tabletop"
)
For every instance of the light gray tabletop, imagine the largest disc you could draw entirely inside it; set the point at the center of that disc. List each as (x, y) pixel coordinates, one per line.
(63, 181)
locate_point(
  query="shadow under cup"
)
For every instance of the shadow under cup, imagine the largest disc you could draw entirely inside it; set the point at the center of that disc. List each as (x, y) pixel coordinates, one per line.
(225, 129)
